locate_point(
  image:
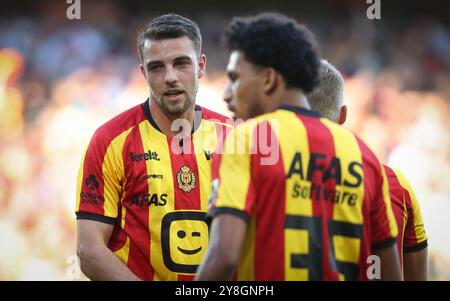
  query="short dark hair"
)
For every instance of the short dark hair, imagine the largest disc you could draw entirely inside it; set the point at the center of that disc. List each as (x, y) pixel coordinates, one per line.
(170, 26)
(274, 40)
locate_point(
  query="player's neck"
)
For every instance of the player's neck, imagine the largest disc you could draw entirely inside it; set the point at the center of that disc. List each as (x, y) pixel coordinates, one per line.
(165, 121)
(292, 98)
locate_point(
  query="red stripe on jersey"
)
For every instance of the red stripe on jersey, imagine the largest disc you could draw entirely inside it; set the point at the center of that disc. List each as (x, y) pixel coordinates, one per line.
(270, 215)
(320, 141)
(137, 212)
(92, 166)
(365, 248)
(211, 115)
(95, 154)
(181, 277)
(118, 236)
(185, 174)
(371, 183)
(397, 199)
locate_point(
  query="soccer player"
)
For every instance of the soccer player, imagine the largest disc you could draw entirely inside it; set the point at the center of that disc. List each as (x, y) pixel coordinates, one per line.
(327, 99)
(145, 178)
(312, 206)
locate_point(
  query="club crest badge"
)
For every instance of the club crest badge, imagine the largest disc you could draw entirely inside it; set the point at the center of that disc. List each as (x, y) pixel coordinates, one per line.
(186, 179)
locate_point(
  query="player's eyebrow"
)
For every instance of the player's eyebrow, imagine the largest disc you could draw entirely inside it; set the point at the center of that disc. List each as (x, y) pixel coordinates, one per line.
(196, 234)
(182, 58)
(177, 59)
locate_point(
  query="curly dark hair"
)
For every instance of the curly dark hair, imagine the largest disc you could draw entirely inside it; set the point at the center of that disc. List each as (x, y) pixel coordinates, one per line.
(274, 40)
(170, 26)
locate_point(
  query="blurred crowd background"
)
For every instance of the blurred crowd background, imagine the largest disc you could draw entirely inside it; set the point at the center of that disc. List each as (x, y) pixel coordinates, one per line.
(60, 79)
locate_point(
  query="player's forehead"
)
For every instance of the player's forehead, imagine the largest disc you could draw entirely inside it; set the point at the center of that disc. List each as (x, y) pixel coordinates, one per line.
(235, 60)
(167, 50)
(237, 63)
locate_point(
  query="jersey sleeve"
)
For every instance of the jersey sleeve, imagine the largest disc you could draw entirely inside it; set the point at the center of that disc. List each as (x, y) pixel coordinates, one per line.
(415, 237)
(99, 181)
(233, 183)
(384, 228)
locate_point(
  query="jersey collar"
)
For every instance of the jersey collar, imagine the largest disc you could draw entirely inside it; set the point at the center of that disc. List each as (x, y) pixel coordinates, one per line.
(197, 116)
(299, 110)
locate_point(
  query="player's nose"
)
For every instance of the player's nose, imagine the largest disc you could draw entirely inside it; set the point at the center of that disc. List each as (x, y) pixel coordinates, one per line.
(170, 76)
(228, 98)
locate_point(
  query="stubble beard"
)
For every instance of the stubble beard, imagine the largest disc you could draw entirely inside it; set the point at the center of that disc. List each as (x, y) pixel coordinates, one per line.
(177, 108)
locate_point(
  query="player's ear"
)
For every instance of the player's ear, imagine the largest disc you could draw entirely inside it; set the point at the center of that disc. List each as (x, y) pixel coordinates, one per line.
(343, 114)
(201, 66)
(141, 67)
(269, 80)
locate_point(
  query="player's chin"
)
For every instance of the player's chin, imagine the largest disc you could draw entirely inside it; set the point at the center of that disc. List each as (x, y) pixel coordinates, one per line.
(240, 116)
(178, 107)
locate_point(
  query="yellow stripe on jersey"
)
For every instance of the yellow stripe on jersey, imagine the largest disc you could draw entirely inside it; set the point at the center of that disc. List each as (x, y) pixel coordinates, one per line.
(164, 168)
(204, 140)
(347, 249)
(221, 123)
(418, 221)
(80, 180)
(235, 164)
(301, 247)
(294, 130)
(124, 252)
(402, 230)
(343, 142)
(113, 171)
(246, 266)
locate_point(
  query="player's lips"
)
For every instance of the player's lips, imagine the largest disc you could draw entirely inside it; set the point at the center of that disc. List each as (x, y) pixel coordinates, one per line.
(173, 94)
(189, 252)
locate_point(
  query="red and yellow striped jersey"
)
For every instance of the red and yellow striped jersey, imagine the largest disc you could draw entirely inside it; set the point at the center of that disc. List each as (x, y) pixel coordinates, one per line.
(412, 236)
(153, 188)
(315, 197)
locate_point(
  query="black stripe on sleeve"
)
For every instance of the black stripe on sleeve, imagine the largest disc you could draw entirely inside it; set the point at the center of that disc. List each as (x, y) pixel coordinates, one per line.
(227, 210)
(96, 217)
(420, 246)
(384, 244)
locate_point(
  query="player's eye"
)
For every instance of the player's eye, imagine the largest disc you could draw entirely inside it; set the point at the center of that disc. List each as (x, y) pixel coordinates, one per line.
(182, 63)
(156, 67)
(232, 76)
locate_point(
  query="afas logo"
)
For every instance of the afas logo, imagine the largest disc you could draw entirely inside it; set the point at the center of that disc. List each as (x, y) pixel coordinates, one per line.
(148, 199)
